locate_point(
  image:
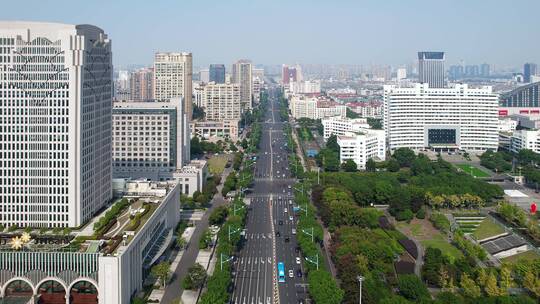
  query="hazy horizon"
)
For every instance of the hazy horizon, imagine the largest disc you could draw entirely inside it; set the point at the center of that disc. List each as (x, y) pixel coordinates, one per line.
(306, 32)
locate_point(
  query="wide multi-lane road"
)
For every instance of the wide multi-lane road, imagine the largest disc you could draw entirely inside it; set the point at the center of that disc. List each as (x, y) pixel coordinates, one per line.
(269, 236)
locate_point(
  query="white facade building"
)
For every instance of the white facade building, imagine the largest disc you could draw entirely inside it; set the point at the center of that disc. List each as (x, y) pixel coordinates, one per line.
(372, 109)
(149, 138)
(242, 74)
(340, 125)
(173, 74)
(441, 118)
(401, 74)
(198, 91)
(525, 139)
(55, 123)
(305, 87)
(204, 75)
(507, 124)
(362, 145)
(222, 101)
(215, 130)
(311, 107)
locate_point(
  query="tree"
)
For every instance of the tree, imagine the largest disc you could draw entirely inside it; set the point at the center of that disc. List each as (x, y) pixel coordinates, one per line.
(181, 242)
(392, 165)
(323, 288)
(506, 277)
(470, 289)
(491, 287)
(349, 166)
(532, 283)
(404, 156)
(218, 215)
(161, 272)
(195, 277)
(412, 288)
(371, 165)
(332, 144)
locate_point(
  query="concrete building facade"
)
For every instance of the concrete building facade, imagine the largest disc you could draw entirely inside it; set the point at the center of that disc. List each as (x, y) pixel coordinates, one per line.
(222, 101)
(55, 123)
(441, 118)
(362, 145)
(242, 74)
(173, 75)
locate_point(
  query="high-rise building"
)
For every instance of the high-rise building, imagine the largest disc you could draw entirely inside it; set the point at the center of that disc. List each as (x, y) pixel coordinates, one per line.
(455, 72)
(173, 78)
(55, 123)
(222, 101)
(121, 85)
(242, 74)
(217, 73)
(401, 73)
(288, 74)
(431, 69)
(529, 69)
(204, 75)
(484, 70)
(142, 84)
(441, 119)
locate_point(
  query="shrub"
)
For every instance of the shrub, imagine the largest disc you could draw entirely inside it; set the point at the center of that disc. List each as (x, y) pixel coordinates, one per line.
(440, 221)
(405, 215)
(421, 214)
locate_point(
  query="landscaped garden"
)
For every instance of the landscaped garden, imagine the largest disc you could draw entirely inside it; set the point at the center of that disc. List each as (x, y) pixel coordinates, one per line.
(487, 229)
(216, 164)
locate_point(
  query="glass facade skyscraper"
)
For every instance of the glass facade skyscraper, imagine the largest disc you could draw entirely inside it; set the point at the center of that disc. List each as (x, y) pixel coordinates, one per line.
(217, 73)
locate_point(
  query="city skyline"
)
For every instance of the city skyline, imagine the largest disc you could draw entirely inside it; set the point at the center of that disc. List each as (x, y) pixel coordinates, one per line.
(352, 33)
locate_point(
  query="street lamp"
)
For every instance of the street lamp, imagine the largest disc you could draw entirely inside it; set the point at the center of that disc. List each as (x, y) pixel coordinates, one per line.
(231, 232)
(224, 261)
(316, 262)
(360, 279)
(312, 234)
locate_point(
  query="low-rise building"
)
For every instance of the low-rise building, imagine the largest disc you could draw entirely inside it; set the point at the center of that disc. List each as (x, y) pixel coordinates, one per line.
(362, 145)
(372, 109)
(215, 130)
(302, 106)
(338, 125)
(525, 139)
(109, 267)
(507, 124)
(192, 177)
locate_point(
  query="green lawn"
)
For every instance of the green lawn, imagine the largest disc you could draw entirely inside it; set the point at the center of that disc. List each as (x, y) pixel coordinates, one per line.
(441, 243)
(527, 255)
(216, 164)
(472, 170)
(487, 229)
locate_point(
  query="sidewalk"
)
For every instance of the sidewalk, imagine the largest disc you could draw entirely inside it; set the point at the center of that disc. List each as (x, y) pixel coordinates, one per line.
(174, 289)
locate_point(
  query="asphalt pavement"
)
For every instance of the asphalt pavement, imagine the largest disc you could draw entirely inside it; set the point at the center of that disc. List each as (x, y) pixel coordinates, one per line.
(269, 215)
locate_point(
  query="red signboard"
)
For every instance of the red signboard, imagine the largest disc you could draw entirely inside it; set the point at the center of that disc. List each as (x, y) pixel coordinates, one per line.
(533, 208)
(503, 112)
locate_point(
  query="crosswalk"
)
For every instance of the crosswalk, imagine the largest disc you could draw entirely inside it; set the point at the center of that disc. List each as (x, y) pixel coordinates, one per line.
(252, 236)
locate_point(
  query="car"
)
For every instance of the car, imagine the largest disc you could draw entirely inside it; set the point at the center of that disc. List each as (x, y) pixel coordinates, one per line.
(291, 218)
(297, 260)
(287, 239)
(278, 233)
(301, 301)
(293, 231)
(297, 249)
(286, 210)
(280, 222)
(291, 273)
(299, 273)
(289, 187)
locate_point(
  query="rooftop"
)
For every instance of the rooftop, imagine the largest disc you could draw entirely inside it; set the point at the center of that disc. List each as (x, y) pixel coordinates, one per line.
(107, 233)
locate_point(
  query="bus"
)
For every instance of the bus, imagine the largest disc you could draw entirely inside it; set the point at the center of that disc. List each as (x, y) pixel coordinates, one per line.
(281, 272)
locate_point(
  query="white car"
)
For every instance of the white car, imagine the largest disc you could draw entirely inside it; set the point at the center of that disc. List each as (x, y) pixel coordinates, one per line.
(297, 260)
(291, 218)
(291, 273)
(294, 231)
(286, 210)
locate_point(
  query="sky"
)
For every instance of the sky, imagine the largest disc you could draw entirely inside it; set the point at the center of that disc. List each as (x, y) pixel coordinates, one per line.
(367, 32)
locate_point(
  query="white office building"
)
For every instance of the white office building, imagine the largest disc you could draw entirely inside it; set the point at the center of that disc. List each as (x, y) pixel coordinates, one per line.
(55, 123)
(173, 74)
(149, 138)
(525, 139)
(362, 145)
(242, 74)
(222, 101)
(441, 118)
(338, 125)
